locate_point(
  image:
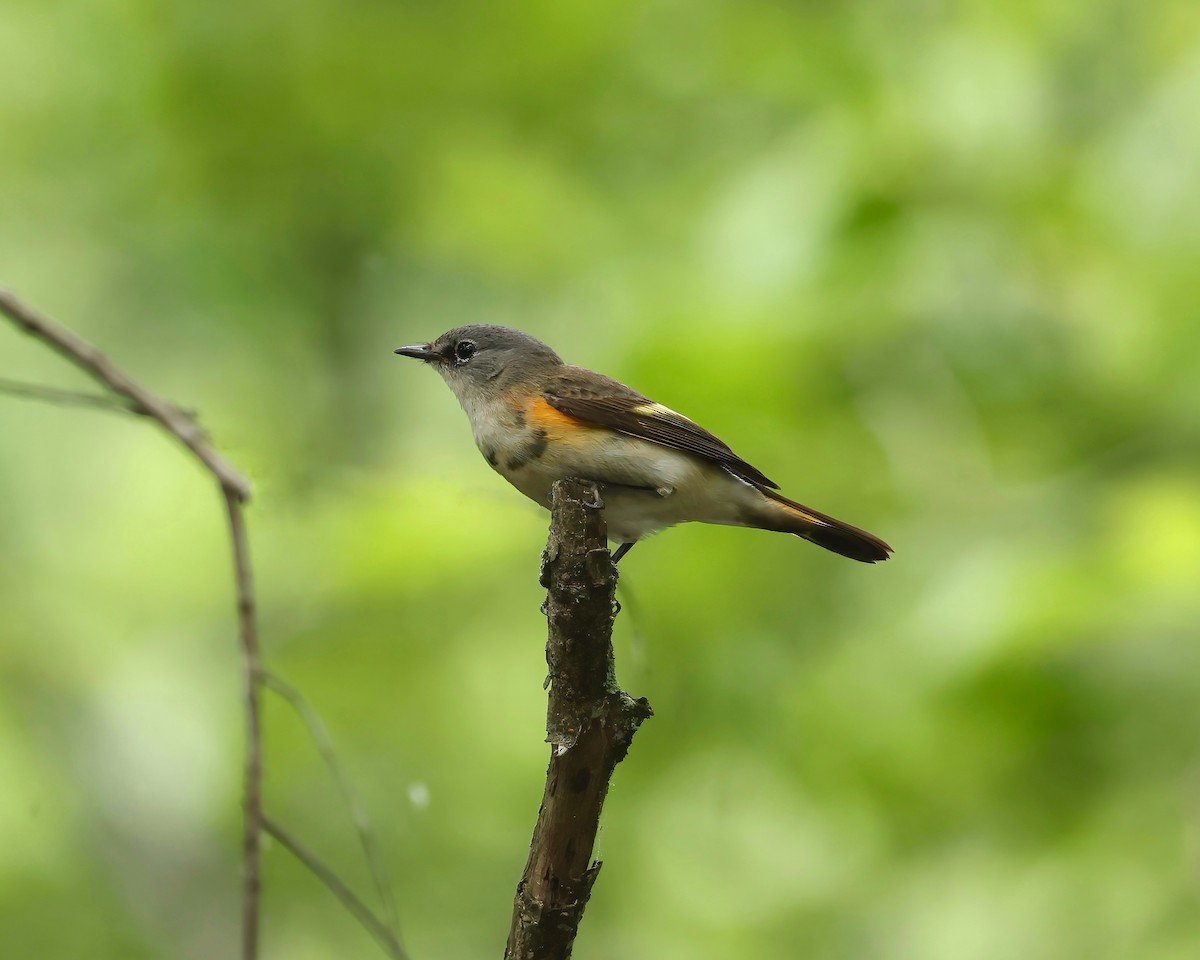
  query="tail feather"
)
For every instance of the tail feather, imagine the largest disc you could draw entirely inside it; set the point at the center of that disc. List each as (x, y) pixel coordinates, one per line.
(787, 516)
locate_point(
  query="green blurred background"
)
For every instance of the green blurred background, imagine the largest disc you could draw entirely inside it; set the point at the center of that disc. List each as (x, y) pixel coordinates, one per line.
(933, 266)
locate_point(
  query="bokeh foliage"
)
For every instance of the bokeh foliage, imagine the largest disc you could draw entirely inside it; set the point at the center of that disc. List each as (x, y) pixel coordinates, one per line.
(932, 265)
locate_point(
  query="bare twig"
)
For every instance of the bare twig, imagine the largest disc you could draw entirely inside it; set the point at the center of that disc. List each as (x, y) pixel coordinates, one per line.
(88, 358)
(252, 821)
(236, 491)
(362, 823)
(590, 723)
(376, 927)
(63, 398)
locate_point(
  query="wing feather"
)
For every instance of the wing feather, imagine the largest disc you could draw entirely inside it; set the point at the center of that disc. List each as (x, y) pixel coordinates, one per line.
(597, 399)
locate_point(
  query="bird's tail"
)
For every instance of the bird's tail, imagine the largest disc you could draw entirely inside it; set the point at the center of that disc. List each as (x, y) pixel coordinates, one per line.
(786, 516)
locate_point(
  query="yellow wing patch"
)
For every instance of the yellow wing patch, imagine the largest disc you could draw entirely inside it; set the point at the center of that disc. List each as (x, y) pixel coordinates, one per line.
(661, 410)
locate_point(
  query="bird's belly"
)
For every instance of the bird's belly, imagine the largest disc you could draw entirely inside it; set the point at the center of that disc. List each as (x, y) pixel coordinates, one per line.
(645, 487)
(607, 458)
(634, 514)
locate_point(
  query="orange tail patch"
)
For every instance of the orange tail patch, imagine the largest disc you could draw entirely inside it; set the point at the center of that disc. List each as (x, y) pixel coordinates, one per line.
(787, 516)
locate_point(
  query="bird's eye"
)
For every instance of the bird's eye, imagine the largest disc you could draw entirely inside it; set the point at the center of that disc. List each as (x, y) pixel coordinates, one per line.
(464, 350)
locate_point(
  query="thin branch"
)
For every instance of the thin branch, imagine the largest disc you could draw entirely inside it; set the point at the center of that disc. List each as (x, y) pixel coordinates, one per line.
(376, 927)
(590, 724)
(63, 398)
(89, 359)
(252, 776)
(236, 492)
(358, 813)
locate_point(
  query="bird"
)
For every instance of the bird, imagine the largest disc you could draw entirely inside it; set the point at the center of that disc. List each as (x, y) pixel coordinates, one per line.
(537, 420)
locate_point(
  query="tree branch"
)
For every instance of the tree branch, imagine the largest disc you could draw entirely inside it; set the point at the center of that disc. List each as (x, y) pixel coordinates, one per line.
(362, 823)
(590, 723)
(62, 398)
(252, 774)
(236, 491)
(382, 933)
(89, 359)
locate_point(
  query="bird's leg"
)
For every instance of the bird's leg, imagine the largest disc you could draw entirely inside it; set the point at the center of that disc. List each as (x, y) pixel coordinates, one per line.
(621, 551)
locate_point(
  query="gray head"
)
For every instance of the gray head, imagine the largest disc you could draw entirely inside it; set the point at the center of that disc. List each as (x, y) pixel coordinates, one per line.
(484, 359)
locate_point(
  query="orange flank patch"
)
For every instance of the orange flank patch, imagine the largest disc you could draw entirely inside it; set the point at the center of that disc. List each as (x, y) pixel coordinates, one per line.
(557, 425)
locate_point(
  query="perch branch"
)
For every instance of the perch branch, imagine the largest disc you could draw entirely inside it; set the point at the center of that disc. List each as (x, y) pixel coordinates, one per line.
(236, 491)
(590, 723)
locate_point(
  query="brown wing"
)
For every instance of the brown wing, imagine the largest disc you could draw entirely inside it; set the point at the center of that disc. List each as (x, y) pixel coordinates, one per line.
(607, 403)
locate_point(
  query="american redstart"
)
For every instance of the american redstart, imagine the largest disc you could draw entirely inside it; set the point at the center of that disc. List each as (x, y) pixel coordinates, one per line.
(537, 420)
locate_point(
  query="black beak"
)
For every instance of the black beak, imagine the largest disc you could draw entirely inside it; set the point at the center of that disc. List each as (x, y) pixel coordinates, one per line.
(419, 352)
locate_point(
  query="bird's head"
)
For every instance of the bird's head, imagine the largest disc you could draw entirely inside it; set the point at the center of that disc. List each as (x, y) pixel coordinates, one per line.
(481, 360)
